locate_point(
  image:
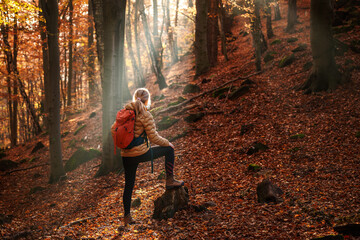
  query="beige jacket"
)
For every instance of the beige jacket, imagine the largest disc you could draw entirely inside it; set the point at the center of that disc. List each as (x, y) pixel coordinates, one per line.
(144, 122)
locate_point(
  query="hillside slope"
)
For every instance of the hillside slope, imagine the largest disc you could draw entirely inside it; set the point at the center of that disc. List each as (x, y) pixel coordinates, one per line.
(318, 171)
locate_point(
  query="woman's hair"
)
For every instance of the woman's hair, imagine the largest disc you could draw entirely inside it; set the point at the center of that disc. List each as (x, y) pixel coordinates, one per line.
(141, 95)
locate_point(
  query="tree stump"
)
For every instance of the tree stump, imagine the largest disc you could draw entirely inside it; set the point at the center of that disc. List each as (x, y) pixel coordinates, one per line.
(268, 192)
(170, 202)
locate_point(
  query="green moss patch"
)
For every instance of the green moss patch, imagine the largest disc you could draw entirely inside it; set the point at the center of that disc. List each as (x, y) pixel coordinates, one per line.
(79, 157)
(300, 48)
(287, 60)
(254, 167)
(297, 136)
(155, 110)
(269, 56)
(307, 66)
(275, 42)
(180, 100)
(191, 88)
(166, 122)
(36, 189)
(93, 114)
(291, 40)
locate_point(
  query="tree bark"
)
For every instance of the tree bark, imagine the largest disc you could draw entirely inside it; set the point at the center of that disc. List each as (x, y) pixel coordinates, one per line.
(269, 30)
(221, 30)
(212, 32)
(325, 74)
(138, 75)
(52, 89)
(137, 41)
(155, 63)
(292, 17)
(71, 36)
(170, 34)
(202, 64)
(256, 34)
(277, 10)
(91, 54)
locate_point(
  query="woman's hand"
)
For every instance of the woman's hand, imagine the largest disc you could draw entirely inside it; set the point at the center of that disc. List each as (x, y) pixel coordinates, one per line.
(171, 145)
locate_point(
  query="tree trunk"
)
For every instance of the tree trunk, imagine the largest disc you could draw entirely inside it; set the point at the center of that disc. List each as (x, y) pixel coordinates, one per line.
(269, 30)
(170, 34)
(71, 36)
(277, 10)
(157, 38)
(137, 41)
(97, 7)
(52, 90)
(256, 34)
(155, 63)
(325, 74)
(212, 32)
(91, 54)
(190, 3)
(113, 13)
(202, 64)
(11, 86)
(138, 76)
(221, 30)
(175, 33)
(292, 17)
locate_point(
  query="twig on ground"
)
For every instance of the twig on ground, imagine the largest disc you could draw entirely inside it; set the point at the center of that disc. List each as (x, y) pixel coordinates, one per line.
(78, 221)
(24, 169)
(172, 108)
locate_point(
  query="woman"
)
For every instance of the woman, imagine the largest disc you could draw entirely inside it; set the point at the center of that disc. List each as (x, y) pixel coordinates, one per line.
(144, 123)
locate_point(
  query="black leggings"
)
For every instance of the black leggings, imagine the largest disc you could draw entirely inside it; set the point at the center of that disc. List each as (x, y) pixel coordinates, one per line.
(131, 164)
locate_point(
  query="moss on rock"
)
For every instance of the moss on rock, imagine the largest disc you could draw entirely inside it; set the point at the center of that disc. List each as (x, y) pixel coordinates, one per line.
(287, 60)
(191, 88)
(166, 122)
(79, 157)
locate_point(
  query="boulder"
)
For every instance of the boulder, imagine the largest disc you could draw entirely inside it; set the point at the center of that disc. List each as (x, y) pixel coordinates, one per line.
(300, 48)
(136, 203)
(37, 147)
(276, 41)
(7, 164)
(352, 229)
(166, 122)
(36, 189)
(170, 202)
(194, 117)
(254, 167)
(287, 60)
(79, 157)
(268, 192)
(239, 92)
(256, 147)
(93, 114)
(269, 56)
(191, 88)
(290, 40)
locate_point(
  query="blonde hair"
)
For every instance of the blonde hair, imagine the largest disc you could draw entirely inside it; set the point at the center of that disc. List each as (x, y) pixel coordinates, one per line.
(141, 95)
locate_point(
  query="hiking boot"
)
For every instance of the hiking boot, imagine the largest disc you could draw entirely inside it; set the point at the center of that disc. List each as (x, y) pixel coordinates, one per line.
(128, 220)
(172, 183)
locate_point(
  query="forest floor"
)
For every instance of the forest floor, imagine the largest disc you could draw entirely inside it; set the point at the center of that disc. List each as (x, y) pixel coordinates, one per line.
(319, 171)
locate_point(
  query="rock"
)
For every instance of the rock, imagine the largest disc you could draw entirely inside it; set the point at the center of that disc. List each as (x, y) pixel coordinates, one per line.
(269, 56)
(268, 192)
(159, 98)
(136, 203)
(36, 189)
(291, 40)
(246, 128)
(300, 48)
(276, 41)
(170, 202)
(93, 114)
(253, 167)
(221, 91)
(330, 237)
(239, 92)
(5, 218)
(357, 135)
(307, 66)
(297, 136)
(256, 148)
(79, 129)
(352, 229)
(191, 88)
(166, 122)
(205, 80)
(79, 157)
(7, 164)
(194, 117)
(65, 134)
(287, 60)
(37, 147)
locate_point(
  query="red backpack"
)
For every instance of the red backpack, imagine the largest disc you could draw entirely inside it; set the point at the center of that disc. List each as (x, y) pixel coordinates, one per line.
(123, 129)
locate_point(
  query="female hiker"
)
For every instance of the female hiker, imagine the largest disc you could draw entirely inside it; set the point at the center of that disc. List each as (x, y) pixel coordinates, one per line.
(145, 127)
